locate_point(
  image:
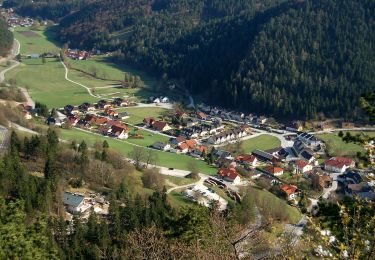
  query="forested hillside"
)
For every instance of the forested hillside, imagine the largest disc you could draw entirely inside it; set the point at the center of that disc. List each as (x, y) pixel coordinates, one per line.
(46, 9)
(6, 38)
(289, 59)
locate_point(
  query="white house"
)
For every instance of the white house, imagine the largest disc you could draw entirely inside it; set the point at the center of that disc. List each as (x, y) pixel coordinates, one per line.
(302, 166)
(75, 203)
(338, 164)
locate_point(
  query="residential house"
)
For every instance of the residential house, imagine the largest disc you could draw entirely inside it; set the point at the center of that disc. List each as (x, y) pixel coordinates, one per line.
(104, 130)
(75, 203)
(120, 102)
(184, 148)
(73, 120)
(229, 174)
(181, 114)
(120, 131)
(164, 100)
(191, 143)
(308, 139)
(161, 146)
(177, 141)
(248, 160)
(202, 116)
(198, 151)
(101, 104)
(68, 109)
(290, 190)
(101, 120)
(123, 115)
(302, 166)
(265, 157)
(338, 164)
(295, 126)
(110, 112)
(276, 171)
(161, 126)
(84, 107)
(148, 121)
(223, 154)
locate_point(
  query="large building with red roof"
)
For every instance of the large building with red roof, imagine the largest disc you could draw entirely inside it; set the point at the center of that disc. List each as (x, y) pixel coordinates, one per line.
(338, 164)
(229, 174)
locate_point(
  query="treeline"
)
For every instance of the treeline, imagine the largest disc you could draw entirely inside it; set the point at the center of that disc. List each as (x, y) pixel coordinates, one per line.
(6, 38)
(35, 172)
(290, 59)
(46, 9)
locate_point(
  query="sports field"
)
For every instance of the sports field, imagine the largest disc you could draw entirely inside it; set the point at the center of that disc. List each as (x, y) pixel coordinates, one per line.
(262, 142)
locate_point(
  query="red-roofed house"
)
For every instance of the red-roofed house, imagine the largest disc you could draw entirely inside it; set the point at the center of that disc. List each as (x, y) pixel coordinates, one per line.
(338, 164)
(178, 140)
(247, 159)
(161, 126)
(120, 131)
(201, 115)
(101, 120)
(148, 121)
(184, 148)
(181, 114)
(229, 174)
(302, 166)
(290, 190)
(73, 120)
(277, 171)
(191, 143)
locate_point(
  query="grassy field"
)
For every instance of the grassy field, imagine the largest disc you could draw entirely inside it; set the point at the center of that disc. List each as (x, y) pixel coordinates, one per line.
(177, 200)
(114, 73)
(165, 159)
(148, 138)
(337, 147)
(268, 199)
(46, 83)
(262, 142)
(180, 181)
(38, 42)
(137, 114)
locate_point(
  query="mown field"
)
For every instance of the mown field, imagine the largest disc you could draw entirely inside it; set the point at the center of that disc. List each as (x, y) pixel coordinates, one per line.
(166, 159)
(37, 41)
(262, 142)
(337, 147)
(137, 114)
(46, 83)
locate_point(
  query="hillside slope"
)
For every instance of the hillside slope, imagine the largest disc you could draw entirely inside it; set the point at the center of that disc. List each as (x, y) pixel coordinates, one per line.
(6, 38)
(289, 59)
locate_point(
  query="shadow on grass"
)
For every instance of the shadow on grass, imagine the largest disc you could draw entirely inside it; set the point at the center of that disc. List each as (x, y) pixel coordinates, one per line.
(51, 34)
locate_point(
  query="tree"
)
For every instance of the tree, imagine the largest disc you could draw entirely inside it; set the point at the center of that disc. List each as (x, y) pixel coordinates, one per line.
(193, 168)
(19, 240)
(138, 155)
(153, 179)
(151, 157)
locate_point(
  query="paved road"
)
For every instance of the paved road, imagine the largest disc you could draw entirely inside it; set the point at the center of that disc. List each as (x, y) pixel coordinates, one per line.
(199, 182)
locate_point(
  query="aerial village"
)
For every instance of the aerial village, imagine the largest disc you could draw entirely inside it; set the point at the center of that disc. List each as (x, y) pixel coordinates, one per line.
(295, 171)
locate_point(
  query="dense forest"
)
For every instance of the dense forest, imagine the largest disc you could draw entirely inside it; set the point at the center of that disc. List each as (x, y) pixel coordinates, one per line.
(46, 9)
(36, 170)
(290, 59)
(6, 38)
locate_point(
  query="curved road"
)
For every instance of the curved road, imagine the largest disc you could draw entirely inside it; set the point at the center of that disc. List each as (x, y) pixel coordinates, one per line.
(76, 83)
